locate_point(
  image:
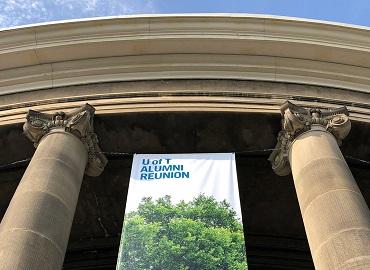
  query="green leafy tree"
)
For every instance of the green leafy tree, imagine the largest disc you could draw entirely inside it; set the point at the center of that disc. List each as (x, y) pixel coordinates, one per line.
(199, 235)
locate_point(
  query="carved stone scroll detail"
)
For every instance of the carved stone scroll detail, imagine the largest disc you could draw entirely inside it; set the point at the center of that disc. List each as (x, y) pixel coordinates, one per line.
(78, 122)
(297, 120)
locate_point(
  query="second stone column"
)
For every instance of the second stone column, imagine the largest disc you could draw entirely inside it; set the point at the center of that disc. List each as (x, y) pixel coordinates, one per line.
(334, 212)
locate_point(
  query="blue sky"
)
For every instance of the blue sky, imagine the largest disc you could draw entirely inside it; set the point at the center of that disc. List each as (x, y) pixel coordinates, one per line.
(21, 12)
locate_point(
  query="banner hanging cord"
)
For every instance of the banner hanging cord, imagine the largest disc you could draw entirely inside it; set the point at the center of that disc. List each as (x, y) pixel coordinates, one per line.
(356, 162)
(237, 152)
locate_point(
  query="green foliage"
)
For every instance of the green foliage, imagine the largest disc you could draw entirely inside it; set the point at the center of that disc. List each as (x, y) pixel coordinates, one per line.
(202, 234)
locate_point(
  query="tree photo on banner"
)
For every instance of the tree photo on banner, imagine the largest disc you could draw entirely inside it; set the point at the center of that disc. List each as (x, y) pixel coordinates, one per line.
(183, 212)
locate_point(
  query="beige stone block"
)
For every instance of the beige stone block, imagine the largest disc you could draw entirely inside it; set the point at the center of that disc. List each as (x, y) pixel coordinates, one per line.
(22, 249)
(321, 176)
(359, 263)
(40, 213)
(54, 177)
(348, 250)
(313, 145)
(333, 213)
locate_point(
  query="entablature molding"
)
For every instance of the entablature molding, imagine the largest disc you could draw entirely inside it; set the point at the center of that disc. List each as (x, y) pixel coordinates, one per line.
(182, 95)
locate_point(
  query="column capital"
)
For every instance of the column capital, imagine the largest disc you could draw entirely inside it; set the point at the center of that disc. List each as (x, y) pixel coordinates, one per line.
(78, 122)
(297, 120)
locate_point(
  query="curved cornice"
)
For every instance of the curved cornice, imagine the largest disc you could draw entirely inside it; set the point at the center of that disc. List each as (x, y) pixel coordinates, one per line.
(223, 46)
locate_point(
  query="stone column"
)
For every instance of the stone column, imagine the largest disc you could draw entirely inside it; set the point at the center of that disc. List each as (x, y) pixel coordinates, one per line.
(335, 214)
(35, 229)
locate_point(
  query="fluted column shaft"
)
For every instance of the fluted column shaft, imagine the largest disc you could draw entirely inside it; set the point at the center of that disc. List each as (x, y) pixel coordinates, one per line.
(35, 230)
(335, 214)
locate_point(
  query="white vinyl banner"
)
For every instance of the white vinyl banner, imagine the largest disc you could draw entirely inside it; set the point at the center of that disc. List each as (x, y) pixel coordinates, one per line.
(182, 212)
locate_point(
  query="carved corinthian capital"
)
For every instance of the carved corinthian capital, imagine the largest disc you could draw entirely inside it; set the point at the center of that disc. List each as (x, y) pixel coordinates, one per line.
(78, 122)
(297, 120)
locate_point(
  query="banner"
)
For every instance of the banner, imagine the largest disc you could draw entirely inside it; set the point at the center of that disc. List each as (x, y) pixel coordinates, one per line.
(182, 213)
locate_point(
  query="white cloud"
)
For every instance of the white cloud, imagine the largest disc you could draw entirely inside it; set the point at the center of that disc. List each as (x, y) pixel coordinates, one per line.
(20, 12)
(91, 5)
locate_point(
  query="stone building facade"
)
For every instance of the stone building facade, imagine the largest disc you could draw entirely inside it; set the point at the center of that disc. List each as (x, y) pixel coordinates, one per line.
(281, 93)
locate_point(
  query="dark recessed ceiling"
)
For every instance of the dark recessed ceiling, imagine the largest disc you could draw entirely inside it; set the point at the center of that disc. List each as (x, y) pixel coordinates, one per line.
(275, 236)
